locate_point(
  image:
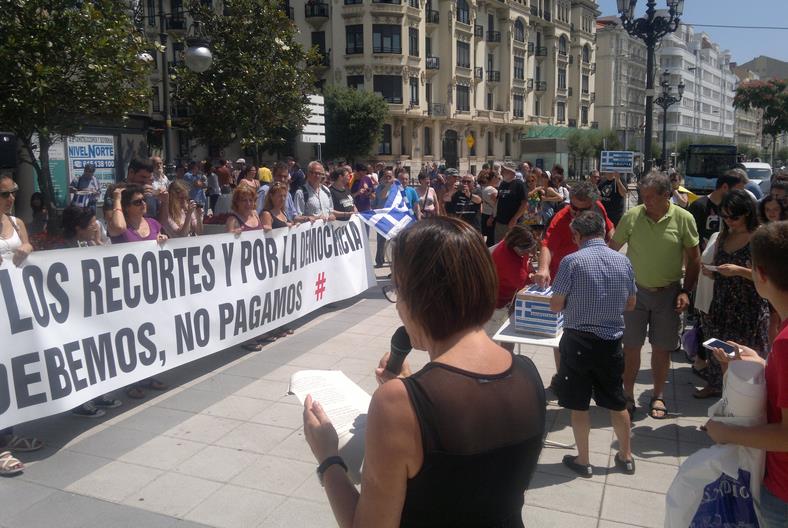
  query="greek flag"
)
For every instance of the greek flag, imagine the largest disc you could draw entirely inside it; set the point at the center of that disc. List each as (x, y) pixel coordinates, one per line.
(393, 217)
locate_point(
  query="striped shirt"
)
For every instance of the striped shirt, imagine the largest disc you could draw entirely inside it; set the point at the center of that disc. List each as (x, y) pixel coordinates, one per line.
(597, 282)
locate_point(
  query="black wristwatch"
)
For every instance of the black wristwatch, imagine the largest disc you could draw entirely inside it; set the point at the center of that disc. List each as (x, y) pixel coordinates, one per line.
(327, 463)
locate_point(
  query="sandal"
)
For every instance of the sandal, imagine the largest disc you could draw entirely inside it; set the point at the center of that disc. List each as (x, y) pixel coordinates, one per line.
(631, 408)
(266, 340)
(154, 384)
(701, 373)
(252, 347)
(707, 392)
(627, 466)
(584, 471)
(654, 409)
(22, 445)
(135, 393)
(10, 465)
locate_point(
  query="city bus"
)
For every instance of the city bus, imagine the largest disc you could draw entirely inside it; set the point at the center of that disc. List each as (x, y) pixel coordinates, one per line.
(705, 163)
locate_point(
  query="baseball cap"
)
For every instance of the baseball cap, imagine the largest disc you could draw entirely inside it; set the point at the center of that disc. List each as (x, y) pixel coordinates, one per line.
(452, 172)
(240, 160)
(509, 166)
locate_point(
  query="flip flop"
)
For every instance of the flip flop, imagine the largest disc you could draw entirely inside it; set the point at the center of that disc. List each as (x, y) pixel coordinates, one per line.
(653, 409)
(10, 465)
(252, 347)
(23, 445)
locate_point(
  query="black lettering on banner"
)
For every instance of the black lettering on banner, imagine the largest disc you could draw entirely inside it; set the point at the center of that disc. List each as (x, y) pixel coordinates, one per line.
(254, 312)
(5, 390)
(58, 274)
(304, 237)
(34, 286)
(209, 277)
(91, 283)
(280, 301)
(166, 265)
(318, 243)
(202, 327)
(180, 254)
(293, 253)
(328, 245)
(22, 380)
(356, 235)
(272, 257)
(267, 315)
(258, 258)
(17, 324)
(246, 258)
(127, 354)
(227, 252)
(240, 318)
(190, 330)
(150, 277)
(99, 359)
(74, 365)
(194, 270)
(225, 318)
(143, 336)
(130, 266)
(291, 298)
(111, 283)
(59, 380)
(298, 296)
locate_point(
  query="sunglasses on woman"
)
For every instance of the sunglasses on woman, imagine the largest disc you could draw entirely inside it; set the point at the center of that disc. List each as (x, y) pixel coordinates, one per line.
(138, 202)
(8, 194)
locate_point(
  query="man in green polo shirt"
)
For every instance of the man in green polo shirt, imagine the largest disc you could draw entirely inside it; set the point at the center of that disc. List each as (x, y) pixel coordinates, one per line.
(659, 235)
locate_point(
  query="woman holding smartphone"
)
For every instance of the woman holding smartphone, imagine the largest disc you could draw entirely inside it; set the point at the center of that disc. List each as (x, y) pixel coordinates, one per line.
(179, 216)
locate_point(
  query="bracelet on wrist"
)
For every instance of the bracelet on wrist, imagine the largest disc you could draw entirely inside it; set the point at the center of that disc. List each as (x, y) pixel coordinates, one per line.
(327, 463)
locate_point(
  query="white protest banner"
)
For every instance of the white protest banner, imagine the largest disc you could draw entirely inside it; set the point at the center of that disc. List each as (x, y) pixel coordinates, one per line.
(77, 323)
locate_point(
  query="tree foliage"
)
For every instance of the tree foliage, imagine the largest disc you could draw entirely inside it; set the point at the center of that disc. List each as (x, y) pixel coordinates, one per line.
(67, 64)
(354, 122)
(771, 96)
(254, 90)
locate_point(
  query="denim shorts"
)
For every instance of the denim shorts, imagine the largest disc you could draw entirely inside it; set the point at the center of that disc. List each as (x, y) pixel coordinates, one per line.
(774, 511)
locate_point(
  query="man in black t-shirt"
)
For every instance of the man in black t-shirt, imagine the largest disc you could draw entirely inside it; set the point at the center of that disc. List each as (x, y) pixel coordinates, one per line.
(706, 209)
(465, 203)
(612, 194)
(512, 201)
(340, 194)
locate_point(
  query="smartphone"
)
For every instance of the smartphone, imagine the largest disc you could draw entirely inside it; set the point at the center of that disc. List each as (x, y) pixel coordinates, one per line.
(711, 268)
(729, 350)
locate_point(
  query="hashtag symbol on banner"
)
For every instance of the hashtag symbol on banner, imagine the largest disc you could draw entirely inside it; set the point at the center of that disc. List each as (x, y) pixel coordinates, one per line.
(320, 285)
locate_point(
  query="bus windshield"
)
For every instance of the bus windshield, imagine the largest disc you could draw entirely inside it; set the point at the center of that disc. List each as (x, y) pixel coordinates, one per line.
(706, 162)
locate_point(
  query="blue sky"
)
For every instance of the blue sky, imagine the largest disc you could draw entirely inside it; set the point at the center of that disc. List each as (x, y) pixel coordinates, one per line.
(745, 44)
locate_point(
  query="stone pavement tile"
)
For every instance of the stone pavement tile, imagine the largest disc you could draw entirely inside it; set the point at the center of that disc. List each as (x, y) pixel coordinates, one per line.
(311, 489)
(67, 510)
(162, 452)
(223, 383)
(649, 427)
(312, 360)
(189, 400)
(155, 419)
(275, 474)
(257, 369)
(282, 415)
(356, 366)
(16, 495)
(558, 492)
(610, 524)
(217, 463)
(256, 438)
(237, 407)
(173, 494)
(551, 457)
(648, 476)
(657, 450)
(114, 482)
(689, 432)
(264, 389)
(294, 447)
(112, 442)
(298, 512)
(599, 440)
(234, 507)
(633, 506)
(547, 518)
(62, 468)
(203, 428)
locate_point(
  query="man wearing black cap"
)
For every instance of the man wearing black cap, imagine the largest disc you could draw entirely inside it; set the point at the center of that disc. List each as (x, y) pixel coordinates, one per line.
(512, 201)
(363, 190)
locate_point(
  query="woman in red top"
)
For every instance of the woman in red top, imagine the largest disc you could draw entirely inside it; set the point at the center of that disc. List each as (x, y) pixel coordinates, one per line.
(513, 267)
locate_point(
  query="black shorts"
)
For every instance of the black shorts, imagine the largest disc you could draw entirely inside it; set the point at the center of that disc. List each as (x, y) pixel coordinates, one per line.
(590, 366)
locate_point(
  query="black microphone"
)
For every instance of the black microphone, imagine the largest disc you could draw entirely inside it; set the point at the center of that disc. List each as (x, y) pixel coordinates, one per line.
(400, 347)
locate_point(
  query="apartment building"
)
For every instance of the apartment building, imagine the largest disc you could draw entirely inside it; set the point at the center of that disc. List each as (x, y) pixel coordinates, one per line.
(707, 106)
(620, 82)
(465, 79)
(747, 126)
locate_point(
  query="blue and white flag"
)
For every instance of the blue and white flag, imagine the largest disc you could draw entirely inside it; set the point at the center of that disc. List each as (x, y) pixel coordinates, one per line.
(393, 217)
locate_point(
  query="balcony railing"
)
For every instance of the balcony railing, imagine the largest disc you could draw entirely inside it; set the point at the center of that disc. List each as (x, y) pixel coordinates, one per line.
(433, 17)
(397, 2)
(593, 97)
(176, 21)
(436, 109)
(478, 31)
(493, 36)
(325, 59)
(493, 76)
(478, 73)
(462, 64)
(316, 10)
(595, 124)
(541, 86)
(433, 63)
(531, 47)
(541, 51)
(387, 49)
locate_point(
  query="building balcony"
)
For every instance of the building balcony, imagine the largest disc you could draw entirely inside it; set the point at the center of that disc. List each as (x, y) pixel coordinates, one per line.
(395, 2)
(534, 11)
(563, 56)
(325, 60)
(493, 76)
(595, 124)
(541, 51)
(560, 120)
(433, 17)
(433, 63)
(494, 36)
(530, 84)
(436, 109)
(316, 14)
(548, 16)
(177, 22)
(387, 50)
(561, 90)
(584, 92)
(540, 86)
(593, 97)
(478, 31)
(531, 48)
(478, 73)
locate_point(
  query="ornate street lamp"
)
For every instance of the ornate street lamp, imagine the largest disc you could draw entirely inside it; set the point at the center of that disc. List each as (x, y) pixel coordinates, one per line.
(665, 101)
(650, 29)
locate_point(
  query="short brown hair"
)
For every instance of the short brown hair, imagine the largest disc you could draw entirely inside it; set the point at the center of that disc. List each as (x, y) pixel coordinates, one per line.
(769, 249)
(240, 192)
(442, 263)
(520, 236)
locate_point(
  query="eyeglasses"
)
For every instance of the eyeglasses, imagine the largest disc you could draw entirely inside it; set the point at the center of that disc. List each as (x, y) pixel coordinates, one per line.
(138, 202)
(8, 194)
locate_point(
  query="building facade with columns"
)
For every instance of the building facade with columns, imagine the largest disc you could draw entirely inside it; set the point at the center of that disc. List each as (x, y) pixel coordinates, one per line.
(465, 79)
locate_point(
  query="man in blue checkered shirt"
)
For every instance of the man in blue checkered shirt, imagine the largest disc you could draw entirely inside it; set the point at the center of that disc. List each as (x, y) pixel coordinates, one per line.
(593, 287)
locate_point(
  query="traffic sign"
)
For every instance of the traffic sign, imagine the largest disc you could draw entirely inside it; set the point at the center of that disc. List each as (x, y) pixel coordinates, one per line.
(617, 161)
(315, 129)
(470, 141)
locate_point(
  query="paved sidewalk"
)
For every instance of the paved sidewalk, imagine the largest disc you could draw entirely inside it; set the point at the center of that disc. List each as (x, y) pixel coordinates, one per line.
(224, 446)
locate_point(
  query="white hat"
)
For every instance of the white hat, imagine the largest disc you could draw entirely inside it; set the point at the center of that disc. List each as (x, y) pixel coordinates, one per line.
(241, 160)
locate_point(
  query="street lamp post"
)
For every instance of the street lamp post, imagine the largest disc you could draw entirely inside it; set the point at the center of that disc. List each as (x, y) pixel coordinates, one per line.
(665, 101)
(650, 29)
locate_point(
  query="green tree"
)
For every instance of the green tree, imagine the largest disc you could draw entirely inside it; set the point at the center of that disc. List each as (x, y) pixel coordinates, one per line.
(254, 90)
(770, 96)
(66, 64)
(354, 122)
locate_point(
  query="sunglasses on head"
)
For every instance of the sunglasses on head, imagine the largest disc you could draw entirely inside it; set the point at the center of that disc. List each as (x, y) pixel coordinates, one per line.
(7, 194)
